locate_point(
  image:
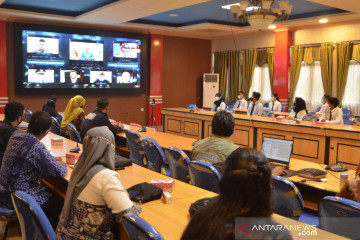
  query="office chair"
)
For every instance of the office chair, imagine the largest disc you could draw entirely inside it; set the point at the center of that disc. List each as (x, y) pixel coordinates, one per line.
(155, 156)
(204, 175)
(73, 133)
(33, 221)
(340, 216)
(178, 163)
(137, 151)
(137, 228)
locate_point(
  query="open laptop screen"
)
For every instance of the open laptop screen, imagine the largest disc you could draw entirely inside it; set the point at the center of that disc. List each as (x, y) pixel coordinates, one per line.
(277, 150)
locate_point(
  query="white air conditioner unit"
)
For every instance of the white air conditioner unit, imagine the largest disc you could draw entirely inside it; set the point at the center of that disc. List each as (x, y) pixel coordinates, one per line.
(210, 88)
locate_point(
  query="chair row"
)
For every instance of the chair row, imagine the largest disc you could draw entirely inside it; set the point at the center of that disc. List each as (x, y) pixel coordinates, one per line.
(35, 225)
(148, 153)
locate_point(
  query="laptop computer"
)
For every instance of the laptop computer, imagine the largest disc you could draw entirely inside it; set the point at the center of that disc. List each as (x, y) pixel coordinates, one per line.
(278, 151)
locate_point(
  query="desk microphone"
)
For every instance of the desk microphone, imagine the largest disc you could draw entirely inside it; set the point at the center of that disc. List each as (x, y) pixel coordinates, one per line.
(75, 149)
(336, 167)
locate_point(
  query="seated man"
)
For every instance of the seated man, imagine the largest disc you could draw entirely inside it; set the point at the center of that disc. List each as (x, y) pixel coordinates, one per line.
(219, 146)
(255, 107)
(13, 117)
(335, 114)
(25, 160)
(100, 118)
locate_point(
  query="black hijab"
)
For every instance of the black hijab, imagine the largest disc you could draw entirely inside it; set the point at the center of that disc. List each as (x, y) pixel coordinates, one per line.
(218, 102)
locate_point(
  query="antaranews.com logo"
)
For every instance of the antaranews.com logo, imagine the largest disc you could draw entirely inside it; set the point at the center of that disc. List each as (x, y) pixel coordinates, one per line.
(270, 228)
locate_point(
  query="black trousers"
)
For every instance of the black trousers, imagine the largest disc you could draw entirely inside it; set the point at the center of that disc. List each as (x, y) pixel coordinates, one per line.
(52, 209)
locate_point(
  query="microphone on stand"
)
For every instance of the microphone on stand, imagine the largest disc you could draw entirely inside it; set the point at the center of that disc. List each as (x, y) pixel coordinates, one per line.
(336, 167)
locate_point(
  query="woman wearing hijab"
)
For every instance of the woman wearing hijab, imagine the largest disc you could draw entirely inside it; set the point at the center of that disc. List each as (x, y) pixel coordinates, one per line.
(299, 109)
(219, 104)
(351, 188)
(74, 113)
(94, 194)
(49, 107)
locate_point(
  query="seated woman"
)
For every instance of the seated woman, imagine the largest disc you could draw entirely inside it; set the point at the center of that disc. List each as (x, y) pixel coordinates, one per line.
(49, 107)
(275, 105)
(245, 191)
(219, 103)
(299, 110)
(94, 194)
(74, 113)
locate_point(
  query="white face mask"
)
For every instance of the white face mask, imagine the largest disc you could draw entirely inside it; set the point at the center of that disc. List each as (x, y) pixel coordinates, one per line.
(322, 101)
(272, 98)
(239, 97)
(217, 98)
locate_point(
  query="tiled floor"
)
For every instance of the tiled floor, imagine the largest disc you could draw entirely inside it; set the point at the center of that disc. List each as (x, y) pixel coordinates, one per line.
(14, 233)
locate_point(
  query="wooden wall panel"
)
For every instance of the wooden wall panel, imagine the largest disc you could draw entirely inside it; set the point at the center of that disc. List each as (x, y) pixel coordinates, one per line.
(185, 61)
(348, 152)
(306, 146)
(242, 136)
(183, 126)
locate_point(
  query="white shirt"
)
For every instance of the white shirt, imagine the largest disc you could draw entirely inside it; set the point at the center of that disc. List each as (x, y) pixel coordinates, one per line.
(277, 106)
(258, 109)
(242, 104)
(220, 108)
(336, 116)
(299, 115)
(325, 110)
(105, 189)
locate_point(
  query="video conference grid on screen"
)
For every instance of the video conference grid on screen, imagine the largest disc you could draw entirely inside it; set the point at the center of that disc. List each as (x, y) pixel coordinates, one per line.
(65, 60)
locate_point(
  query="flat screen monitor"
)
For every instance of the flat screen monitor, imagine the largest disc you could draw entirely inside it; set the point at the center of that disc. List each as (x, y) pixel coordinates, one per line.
(51, 59)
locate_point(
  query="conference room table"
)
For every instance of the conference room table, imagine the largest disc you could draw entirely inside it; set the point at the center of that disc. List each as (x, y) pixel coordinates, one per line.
(244, 112)
(315, 142)
(169, 219)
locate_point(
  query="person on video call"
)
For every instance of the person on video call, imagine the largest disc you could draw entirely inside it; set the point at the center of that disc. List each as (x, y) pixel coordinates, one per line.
(101, 79)
(125, 77)
(87, 55)
(73, 78)
(41, 49)
(40, 75)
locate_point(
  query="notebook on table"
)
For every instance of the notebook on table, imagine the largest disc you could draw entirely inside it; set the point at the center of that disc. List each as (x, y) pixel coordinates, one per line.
(278, 152)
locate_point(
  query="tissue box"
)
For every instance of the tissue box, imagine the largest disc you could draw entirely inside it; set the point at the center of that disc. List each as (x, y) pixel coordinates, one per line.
(56, 141)
(166, 197)
(164, 184)
(320, 123)
(280, 118)
(71, 158)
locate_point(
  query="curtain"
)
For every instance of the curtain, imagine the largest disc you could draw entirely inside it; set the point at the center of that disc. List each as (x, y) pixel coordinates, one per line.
(250, 56)
(344, 53)
(220, 67)
(311, 55)
(297, 54)
(351, 99)
(261, 83)
(234, 62)
(356, 53)
(326, 59)
(310, 86)
(270, 62)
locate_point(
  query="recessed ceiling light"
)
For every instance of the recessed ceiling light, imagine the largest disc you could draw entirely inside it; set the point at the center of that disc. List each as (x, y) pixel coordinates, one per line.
(237, 4)
(173, 15)
(272, 26)
(323, 20)
(229, 5)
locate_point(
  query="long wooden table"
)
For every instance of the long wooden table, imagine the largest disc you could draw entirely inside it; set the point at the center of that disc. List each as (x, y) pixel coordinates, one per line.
(312, 191)
(312, 142)
(169, 219)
